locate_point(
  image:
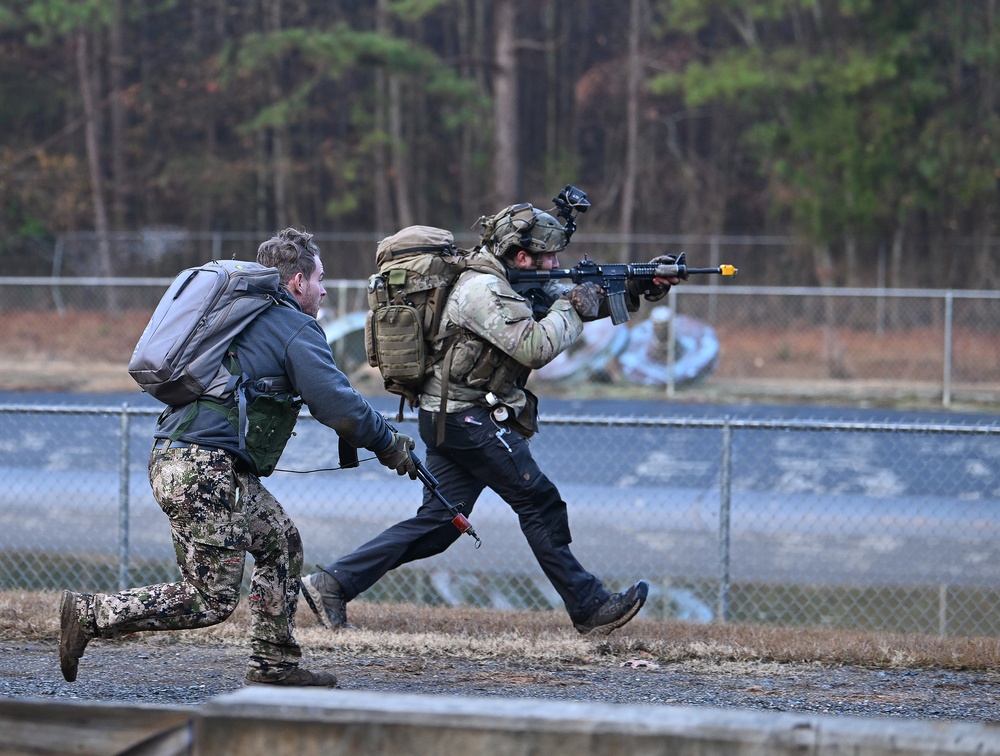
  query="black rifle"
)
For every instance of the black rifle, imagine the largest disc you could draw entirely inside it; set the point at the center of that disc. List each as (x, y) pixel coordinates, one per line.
(460, 521)
(613, 278)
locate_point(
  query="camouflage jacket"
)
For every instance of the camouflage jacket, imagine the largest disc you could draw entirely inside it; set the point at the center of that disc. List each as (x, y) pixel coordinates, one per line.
(487, 311)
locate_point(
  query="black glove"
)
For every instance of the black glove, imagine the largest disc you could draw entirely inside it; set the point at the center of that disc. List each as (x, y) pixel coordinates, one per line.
(586, 299)
(651, 291)
(396, 455)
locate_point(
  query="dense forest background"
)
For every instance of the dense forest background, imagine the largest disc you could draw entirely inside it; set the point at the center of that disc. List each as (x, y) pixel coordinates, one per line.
(859, 128)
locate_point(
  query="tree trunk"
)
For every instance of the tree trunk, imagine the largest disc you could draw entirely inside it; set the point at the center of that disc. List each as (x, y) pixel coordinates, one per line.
(119, 186)
(852, 275)
(506, 169)
(384, 221)
(896, 274)
(833, 349)
(279, 135)
(400, 159)
(631, 176)
(260, 166)
(94, 164)
(472, 24)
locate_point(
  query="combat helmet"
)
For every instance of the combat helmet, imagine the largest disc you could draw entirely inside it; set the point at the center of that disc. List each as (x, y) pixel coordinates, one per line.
(523, 227)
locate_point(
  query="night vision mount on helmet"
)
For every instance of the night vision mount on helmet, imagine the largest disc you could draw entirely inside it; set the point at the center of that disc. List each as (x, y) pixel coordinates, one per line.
(524, 226)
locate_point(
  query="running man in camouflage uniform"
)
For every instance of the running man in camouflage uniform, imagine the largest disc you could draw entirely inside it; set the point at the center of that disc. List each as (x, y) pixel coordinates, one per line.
(489, 416)
(211, 491)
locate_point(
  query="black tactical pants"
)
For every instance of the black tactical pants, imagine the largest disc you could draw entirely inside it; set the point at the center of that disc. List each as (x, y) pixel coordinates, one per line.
(478, 453)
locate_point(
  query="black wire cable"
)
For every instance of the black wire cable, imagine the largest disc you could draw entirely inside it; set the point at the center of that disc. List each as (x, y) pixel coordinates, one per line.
(324, 469)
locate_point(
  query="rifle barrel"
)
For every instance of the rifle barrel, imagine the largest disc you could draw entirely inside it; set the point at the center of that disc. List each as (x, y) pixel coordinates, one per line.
(679, 269)
(722, 270)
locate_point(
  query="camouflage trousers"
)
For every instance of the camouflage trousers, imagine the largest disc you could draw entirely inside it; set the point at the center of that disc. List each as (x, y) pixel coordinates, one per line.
(217, 516)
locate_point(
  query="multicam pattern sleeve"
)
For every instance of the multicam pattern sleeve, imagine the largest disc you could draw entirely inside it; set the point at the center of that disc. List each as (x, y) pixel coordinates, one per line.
(487, 306)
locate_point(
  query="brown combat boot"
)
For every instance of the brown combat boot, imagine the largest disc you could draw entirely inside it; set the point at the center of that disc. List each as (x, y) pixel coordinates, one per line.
(297, 677)
(77, 627)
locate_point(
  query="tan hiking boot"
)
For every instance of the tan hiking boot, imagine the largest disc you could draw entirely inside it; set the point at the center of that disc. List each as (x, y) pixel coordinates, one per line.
(325, 597)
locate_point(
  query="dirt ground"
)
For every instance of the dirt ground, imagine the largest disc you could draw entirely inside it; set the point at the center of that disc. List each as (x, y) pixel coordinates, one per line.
(469, 652)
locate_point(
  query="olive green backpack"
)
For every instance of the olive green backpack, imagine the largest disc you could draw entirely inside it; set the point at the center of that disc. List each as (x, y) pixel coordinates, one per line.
(417, 267)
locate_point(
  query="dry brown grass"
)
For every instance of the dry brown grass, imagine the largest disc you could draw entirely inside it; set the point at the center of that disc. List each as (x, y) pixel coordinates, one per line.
(816, 353)
(87, 351)
(400, 630)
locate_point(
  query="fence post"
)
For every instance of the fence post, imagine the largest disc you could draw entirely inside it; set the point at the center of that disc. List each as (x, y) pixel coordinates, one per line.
(725, 506)
(123, 498)
(671, 341)
(949, 307)
(943, 610)
(714, 254)
(880, 298)
(339, 347)
(57, 260)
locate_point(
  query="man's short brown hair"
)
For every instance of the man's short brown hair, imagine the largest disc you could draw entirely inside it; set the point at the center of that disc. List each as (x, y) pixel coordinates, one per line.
(290, 251)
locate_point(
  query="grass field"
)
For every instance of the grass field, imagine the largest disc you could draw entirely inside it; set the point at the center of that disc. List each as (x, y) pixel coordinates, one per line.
(542, 637)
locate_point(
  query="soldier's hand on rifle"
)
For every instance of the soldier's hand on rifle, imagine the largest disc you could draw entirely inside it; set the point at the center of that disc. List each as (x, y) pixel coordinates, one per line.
(396, 456)
(586, 299)
(657, 289)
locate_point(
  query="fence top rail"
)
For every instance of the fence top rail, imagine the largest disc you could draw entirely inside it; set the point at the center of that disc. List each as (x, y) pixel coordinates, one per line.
(795, 291)
(773, 424)
(154, 235)
(78, 409)
(125, 281)
(594, 420)
(844, 291)
(616, 237)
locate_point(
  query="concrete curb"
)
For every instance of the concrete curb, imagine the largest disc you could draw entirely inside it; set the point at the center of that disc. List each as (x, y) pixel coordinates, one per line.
(36, 726)
(304, 721)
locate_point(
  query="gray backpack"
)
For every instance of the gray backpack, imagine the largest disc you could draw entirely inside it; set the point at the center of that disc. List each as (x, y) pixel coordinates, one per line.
(181, 354)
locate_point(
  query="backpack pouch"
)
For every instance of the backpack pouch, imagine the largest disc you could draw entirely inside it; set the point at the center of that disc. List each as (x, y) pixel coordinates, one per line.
(270, 422)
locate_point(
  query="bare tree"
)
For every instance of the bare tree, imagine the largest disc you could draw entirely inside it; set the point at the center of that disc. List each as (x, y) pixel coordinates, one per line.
(400, 163)
(506, 169)
(279, 137)
(384, 220)
(116, 65)
(94, 165)
(631, 177)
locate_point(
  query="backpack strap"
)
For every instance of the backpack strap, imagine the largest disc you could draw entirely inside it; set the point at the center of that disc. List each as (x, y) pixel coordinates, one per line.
(276, 384)
(445, 382)
(449, 336)
(440, 249)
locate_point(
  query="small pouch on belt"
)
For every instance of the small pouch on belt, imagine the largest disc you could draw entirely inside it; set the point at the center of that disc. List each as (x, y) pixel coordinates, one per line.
(500, 412)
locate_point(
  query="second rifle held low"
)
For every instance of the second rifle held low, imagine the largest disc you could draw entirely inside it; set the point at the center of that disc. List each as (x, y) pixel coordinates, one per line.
(614, 277)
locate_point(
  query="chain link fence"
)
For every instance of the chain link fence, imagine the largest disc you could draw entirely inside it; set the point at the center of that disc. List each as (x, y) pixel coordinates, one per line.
(889, 343)
(889, 526)
(812, 523)
(884, 344)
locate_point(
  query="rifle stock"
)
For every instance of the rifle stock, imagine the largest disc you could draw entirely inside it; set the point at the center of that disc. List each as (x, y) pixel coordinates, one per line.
(459, 520)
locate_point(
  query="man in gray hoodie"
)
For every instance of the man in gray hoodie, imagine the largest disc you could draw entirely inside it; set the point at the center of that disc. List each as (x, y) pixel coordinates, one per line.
(208, 484)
